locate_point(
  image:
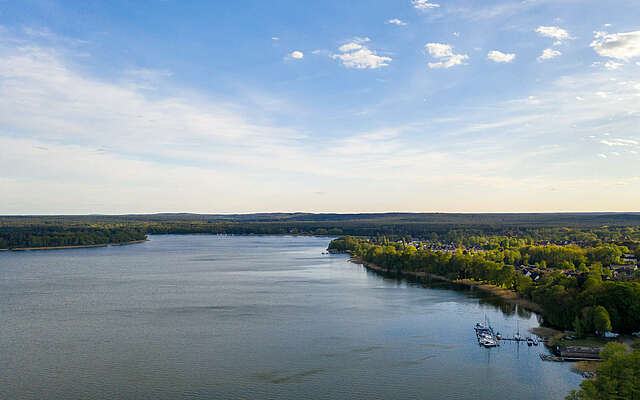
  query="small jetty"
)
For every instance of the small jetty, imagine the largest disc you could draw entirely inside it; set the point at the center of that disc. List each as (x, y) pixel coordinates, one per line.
(547, 357)
(488, 337)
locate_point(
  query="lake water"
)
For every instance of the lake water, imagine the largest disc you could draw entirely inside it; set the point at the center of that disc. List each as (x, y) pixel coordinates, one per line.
(250, 317)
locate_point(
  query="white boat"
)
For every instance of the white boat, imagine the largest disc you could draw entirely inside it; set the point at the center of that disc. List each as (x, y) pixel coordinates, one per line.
(488, 342)
(480, 327)
(486, 335)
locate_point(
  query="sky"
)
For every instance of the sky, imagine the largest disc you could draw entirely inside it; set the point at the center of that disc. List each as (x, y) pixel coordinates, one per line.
(245, 106)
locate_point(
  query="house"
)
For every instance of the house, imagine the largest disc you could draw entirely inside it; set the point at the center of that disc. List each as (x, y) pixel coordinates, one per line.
(623, 270)
(531, 271)
(629, 258)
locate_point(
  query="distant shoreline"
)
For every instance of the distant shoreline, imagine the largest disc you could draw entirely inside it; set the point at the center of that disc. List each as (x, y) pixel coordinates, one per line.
(81, 246)
(85, 246)
(504, 294)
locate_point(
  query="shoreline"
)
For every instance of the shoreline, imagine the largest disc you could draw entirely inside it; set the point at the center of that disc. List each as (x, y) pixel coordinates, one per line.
(80, 246)
(505, 294)
(86, 246)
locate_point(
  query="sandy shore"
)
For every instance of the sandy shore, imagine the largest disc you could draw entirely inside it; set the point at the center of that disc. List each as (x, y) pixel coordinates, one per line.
(504, 294)
(84, 246)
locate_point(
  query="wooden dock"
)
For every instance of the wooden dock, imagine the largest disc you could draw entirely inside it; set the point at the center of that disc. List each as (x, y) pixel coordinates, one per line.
(522, 340)
(545, 357)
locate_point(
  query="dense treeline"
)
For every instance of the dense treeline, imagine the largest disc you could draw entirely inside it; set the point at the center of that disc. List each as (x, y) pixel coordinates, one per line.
(485, 231)
(568, 302)
(243, 228)
(618, 376)
(55, 236)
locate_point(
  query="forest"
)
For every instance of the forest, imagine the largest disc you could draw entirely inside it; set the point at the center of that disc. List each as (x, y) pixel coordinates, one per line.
(59, 236)
(459, 229)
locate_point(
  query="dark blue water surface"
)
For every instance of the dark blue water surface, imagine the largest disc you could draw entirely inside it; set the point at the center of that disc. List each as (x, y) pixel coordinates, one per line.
(250, 317)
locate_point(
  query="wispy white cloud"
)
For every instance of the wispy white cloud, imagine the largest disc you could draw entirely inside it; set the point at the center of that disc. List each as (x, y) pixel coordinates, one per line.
(611, 65)
(356, 54)
(549, 54)
(424, 4)
(149, 74)
(396, 21)
(500, 57)
(620, 142)
(622, 46)
(38, 32)
(445, 53)
(39, 90)
(486, 10)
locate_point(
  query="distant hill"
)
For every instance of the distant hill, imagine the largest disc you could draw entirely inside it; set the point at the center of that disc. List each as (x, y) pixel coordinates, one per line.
(490, 219)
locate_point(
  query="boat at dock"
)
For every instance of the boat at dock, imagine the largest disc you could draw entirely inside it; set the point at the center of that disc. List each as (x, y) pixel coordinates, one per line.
(488, 342)
(480, 326)
(485, 334)
(546, 357)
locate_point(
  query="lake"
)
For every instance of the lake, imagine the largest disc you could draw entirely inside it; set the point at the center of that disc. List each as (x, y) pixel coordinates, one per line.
(250, 317)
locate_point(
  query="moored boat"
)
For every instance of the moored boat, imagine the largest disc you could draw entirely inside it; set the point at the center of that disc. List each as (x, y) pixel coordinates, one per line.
(517, 336)
(488, 342)
(485, 334)
(546, 357)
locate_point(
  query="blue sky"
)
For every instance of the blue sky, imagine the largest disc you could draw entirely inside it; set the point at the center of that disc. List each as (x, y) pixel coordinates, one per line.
(327, 106)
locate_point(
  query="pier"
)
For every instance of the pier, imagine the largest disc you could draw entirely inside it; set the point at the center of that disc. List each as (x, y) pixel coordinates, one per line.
(522, 340)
